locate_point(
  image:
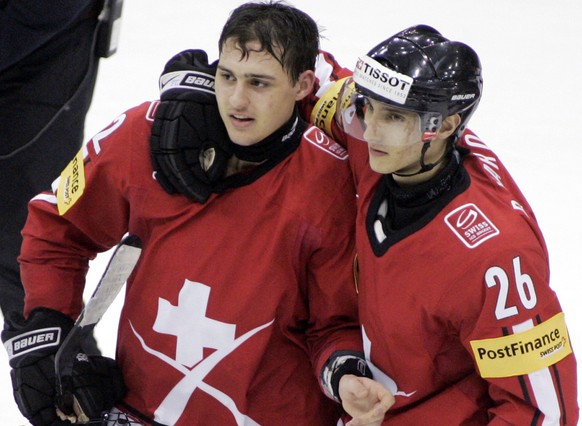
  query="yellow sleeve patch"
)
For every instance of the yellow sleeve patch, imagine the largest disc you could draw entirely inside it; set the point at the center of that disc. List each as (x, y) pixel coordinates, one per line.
(524, 352)
(71, 184)
(324, 110)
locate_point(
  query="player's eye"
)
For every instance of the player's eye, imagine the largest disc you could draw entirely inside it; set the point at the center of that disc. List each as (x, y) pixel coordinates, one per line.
(258, 83)
(394, 116)
(226, 76)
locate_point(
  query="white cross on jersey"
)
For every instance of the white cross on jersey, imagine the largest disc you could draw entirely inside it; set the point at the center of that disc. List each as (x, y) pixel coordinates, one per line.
(189, 323)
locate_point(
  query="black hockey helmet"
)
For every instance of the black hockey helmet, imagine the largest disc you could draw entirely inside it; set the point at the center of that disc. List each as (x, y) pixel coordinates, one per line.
(420, 70)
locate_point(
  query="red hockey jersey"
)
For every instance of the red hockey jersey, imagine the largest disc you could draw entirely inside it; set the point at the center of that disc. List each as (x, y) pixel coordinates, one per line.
(458, 317)
(235, 304)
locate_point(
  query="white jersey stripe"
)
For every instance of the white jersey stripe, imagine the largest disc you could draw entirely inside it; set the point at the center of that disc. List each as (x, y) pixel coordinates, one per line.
(543, 387)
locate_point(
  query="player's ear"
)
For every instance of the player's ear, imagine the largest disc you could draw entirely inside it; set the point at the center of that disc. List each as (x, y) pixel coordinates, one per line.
(304, 85)
(449, 126)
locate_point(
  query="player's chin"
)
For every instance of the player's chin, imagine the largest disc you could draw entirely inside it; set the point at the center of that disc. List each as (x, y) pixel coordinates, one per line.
(383, 166)
(242, 138)
(243, 141)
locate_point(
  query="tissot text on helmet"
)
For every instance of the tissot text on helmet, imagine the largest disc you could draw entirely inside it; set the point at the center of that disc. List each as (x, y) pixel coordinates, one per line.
(382, 80)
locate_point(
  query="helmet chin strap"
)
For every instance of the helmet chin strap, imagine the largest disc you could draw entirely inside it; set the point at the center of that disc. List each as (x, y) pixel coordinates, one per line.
(423, 166)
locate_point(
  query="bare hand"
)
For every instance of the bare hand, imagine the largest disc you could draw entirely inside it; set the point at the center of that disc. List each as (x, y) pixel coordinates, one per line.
(365, 400)
(79, 416)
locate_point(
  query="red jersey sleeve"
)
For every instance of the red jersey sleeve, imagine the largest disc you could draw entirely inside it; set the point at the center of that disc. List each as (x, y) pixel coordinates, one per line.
(331, 293)
(520, 343)
(321, 169)
(516, 333)
(87, 212)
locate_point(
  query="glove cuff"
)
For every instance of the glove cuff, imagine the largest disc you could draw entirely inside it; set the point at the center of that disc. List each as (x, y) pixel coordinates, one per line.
(340, 364)
(36, 337)
(186, 85)
(188, 76)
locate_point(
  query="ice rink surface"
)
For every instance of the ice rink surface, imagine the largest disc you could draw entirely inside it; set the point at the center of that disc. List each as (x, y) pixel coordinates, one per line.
(529, 113)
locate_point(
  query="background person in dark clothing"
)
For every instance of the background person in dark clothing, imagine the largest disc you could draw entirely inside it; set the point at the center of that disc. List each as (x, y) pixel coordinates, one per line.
(49, 54)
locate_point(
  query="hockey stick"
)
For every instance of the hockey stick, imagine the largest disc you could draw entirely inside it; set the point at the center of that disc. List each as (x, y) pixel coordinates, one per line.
(119, 268)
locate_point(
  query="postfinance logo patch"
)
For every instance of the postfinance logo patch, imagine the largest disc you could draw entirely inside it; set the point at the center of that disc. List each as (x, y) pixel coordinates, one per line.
(525, 352)
(71, 184)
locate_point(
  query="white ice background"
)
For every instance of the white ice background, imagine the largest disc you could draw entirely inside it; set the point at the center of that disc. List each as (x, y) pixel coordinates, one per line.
(531, 52)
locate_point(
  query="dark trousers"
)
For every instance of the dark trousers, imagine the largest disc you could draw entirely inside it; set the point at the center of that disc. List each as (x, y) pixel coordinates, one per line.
(43, 103)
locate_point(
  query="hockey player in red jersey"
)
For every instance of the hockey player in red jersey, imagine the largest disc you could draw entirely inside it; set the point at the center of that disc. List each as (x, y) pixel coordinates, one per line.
(458, 317)
(244, 293)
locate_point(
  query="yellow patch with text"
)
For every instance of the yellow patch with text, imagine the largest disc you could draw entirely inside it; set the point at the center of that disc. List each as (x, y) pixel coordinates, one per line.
(524, 352)
(71, 184)
(324, 111)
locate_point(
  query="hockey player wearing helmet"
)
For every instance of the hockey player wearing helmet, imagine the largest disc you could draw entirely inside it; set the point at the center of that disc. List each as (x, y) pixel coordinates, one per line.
(458, 317)
(412, 101)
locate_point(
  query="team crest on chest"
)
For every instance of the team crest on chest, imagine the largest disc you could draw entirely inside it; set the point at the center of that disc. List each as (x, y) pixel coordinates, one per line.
(471, 225)
(202, 343)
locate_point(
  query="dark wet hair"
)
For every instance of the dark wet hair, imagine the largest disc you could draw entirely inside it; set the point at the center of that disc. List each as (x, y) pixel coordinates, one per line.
(287, 33)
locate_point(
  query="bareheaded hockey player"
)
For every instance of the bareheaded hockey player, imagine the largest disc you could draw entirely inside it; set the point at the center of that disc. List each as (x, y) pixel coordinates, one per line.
(243, 296)
(458, 317)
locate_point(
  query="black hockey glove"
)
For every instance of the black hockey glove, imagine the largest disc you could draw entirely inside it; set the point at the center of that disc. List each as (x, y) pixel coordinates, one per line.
(31, 345)
(189, 143)
(96, 385)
